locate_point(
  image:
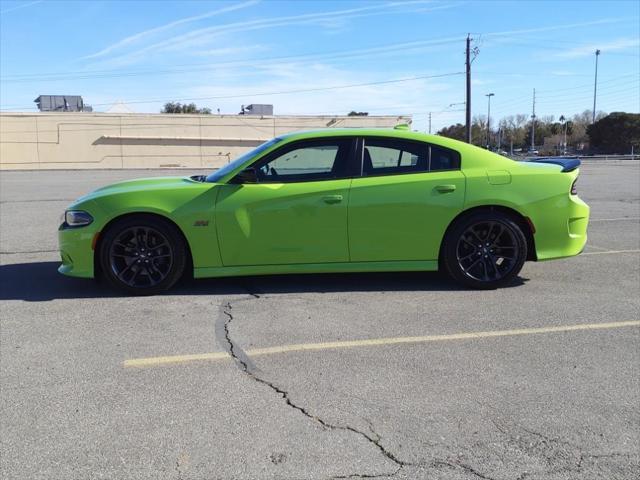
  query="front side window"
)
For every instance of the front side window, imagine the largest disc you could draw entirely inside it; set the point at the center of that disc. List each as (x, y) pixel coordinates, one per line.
(306, 161)
(388, 156)
(229, 167)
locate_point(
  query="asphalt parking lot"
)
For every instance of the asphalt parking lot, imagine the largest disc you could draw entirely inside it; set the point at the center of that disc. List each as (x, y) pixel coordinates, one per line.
(324, 376)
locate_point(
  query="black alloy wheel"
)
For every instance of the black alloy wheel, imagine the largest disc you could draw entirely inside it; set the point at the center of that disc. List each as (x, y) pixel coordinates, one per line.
(485, 250)
(142, 255)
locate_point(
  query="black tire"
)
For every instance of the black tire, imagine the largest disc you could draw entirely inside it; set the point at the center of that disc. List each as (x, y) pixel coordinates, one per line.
(484, 250)
(142, 254)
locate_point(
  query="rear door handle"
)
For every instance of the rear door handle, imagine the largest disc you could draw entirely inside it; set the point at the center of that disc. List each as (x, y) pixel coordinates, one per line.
(332, 198)
(446, 188)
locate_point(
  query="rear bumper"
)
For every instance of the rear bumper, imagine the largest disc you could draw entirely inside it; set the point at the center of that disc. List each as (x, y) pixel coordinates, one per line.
(76, 251)
(561, 227)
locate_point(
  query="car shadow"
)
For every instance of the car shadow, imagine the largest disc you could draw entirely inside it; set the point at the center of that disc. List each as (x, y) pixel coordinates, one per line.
(40, 282)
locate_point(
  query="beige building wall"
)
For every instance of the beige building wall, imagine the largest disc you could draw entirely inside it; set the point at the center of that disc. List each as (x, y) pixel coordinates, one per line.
(101, 140)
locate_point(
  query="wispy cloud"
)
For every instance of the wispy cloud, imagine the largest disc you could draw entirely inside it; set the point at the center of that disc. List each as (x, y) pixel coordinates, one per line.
(229, 51)
(612, 46)
(203, 36)
(152, 31)
(400, 97)
(238, 67)
(562, 73)
(20, 6)
(551, 28)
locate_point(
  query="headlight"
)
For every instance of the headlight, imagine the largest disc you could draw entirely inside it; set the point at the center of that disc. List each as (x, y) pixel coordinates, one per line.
(77, 218)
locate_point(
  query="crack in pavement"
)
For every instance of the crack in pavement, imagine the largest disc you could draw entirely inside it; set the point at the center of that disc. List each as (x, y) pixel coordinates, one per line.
(178, 469)
(463, 466)
(584, 456)
(548, 449)
(242, 360)
(365, 475)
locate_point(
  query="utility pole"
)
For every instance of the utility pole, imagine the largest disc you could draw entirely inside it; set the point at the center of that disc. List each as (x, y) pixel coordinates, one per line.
(533, 123)
(595, 88)
(468, 103)
(489, 95)
(429, 123)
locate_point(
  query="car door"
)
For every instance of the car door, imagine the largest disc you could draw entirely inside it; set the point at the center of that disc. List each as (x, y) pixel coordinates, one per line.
(294, 212)
(406, 196)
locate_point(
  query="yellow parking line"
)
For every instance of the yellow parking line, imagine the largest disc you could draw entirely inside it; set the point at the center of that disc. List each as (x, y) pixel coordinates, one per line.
(610, 251)
(156, 361)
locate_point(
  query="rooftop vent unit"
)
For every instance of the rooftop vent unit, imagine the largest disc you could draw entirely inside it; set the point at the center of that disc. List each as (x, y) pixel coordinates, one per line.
(61, 103)
(257, 109)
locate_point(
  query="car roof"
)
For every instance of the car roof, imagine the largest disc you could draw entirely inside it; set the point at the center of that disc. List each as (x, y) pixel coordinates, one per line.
(401, 133)
(473, 156)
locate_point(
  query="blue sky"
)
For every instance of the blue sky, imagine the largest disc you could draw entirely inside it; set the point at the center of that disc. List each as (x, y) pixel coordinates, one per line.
(405, 57)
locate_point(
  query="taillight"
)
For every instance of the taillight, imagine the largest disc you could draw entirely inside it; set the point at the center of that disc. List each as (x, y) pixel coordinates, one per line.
(574, 189)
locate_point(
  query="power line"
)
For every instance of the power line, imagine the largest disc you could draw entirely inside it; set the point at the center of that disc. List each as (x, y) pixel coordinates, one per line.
(626, 84)
(287, 92)
(310, 57)
(563, 99)
(627, 91)
(586, 87)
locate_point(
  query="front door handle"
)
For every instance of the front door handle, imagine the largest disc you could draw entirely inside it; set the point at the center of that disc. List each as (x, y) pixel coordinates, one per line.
(332, 198)
(446, 188)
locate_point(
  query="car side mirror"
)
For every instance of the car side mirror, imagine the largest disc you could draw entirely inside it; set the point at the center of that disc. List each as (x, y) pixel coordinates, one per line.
(248, 175)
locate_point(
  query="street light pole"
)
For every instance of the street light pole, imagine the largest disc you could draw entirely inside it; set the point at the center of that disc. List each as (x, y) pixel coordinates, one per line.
(595, 88)
(533, 123)
(488, 95)
(468, 97)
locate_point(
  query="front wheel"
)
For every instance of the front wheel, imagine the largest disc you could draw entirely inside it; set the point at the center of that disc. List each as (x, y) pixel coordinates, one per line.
(142, 255)
(484, 250)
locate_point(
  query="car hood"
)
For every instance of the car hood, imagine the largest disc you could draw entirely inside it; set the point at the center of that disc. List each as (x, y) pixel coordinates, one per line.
(145, 185)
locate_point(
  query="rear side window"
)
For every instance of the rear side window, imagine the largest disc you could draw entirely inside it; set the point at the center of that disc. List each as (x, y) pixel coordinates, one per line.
(388, 156)
(443, 158)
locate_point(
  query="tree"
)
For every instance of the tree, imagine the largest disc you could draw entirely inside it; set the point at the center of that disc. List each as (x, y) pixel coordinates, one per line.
(514, 129)
(615, 133)
(479, 131)
(457, 132)
(353, 113)
(171, 107)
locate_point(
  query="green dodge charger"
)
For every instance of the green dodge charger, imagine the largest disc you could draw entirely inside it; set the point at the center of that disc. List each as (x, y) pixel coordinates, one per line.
(348, 200)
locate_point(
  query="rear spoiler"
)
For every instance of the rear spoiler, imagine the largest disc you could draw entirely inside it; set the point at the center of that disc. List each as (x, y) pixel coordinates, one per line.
(567, 164)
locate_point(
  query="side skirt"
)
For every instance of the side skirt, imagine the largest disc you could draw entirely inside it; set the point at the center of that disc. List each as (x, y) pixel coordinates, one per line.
(346, 267)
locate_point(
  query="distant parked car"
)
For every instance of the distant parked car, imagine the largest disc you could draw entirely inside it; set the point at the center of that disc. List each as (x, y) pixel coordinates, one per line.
(349, 200)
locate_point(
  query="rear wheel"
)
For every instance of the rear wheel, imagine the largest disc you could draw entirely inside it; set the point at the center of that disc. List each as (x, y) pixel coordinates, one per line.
(142, 255)
(485, 250)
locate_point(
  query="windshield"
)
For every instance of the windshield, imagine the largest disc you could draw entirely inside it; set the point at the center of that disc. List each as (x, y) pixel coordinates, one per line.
(229, 167)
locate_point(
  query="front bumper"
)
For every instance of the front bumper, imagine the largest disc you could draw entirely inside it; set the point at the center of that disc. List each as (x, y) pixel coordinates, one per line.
(76, 251)
(561, 227)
